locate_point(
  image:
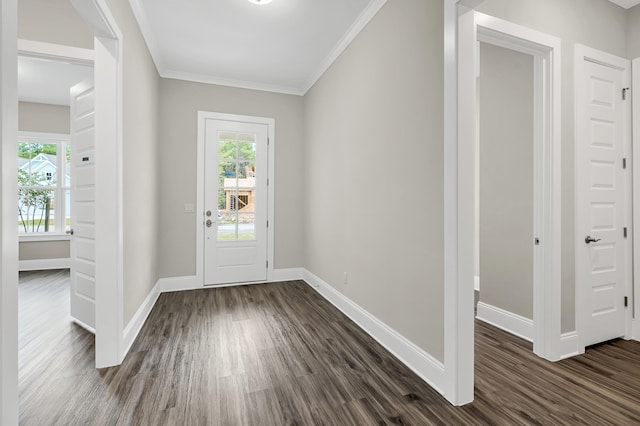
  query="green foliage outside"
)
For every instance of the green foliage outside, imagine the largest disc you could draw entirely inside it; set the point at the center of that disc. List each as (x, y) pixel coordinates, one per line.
(232, 156)
(30, 150)
(34, 205)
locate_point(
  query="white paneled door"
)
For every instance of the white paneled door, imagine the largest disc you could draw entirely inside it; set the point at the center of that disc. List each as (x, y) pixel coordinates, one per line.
(83, 307)
(603, 184)
(235, 216)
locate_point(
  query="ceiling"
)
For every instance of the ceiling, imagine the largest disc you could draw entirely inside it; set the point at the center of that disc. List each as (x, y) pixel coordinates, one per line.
(47, 81)
(627, 4)
(283, 46)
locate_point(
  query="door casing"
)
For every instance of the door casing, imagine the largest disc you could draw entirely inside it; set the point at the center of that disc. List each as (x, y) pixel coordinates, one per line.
(203, 116)
(462, 25)
(581, 54)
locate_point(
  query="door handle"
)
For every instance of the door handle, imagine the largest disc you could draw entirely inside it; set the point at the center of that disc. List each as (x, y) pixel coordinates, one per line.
(590, 240)
(70, 231)
(209, 223)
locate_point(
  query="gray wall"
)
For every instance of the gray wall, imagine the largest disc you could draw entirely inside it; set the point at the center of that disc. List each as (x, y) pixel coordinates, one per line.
(633, 32)
(52, 21)
(374, 174)
(596, 23)
(38, 250)
(43, 118)
(506, 179)
(140, 167)
(180, 102)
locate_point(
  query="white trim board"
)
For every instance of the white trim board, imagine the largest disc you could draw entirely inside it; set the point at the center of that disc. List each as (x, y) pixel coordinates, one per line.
(635, 84)
(192, 282)
(8, 203)
(420, 362)
(44, 264)
(132, 329)
(505, 320)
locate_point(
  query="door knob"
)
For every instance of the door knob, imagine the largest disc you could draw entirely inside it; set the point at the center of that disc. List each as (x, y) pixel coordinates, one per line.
(70, 232)
(209, 223)
(590, 240)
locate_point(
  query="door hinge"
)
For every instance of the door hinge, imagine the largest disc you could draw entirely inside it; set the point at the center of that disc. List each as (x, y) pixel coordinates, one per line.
(624, 231)
(267, 263)
(626, 301)
(268, 224)
(268, 141)
(536, 241)
(624, 93)
(624, 163)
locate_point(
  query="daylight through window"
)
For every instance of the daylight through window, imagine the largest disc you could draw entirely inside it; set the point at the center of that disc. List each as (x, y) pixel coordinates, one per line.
(44, 183)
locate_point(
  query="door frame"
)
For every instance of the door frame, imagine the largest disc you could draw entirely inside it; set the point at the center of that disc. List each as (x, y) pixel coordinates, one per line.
(635, 143)
(203, 116)
(462, 27)
(8, 228)
(582, 53)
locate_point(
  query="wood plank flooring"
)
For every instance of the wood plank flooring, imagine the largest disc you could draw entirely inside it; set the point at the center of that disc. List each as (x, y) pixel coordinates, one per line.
(279, 354)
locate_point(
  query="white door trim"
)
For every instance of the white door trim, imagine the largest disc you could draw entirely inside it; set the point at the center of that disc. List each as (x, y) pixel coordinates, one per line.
(270, 122)
(582, 53)
(109, 347)
(462, 27)
(635, 84)
(8, 228)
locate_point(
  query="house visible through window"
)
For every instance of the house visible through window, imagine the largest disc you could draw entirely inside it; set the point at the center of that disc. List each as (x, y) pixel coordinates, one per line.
(44, 183)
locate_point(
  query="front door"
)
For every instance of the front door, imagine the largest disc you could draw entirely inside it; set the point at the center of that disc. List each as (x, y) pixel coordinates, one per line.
(83, 283)
(603, 182)
(235, 240)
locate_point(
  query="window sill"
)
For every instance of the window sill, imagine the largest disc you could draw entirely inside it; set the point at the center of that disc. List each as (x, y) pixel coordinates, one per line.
(23, 238)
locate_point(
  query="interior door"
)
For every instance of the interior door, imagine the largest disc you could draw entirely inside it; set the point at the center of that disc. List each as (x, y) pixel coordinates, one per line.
(82, 206)
(235, 240)
(603, 182)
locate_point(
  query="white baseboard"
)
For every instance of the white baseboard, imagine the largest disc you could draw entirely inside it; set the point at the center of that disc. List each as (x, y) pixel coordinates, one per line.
(166, 285)
(83, 325)
(507, 321)
(568, 346)
(289, 274)
(420, 362)
(44, 264)
(476, 283)
(132, 329)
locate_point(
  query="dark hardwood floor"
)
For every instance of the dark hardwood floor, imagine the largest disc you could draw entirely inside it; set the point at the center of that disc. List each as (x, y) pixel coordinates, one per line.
(279, 354)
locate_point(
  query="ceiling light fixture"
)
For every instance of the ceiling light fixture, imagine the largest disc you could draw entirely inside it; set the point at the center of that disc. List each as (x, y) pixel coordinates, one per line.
(260, 2)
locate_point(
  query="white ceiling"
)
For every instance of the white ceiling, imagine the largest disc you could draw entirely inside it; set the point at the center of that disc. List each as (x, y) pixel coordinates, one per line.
(48, 82)
(283, 46)
(627, 4)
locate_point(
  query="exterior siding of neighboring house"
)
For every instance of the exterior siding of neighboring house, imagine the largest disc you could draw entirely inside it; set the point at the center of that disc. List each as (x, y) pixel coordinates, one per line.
(45, 165)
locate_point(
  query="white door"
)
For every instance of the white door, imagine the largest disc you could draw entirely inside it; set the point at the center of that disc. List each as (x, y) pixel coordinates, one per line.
(235, 231)
(602, 187)
(82, 206)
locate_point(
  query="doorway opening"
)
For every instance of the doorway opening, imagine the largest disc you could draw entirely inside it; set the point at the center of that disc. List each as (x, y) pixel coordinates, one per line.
(505, 232)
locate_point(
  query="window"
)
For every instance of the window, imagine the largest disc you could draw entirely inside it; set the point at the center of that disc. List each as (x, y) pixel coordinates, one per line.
(44, 182)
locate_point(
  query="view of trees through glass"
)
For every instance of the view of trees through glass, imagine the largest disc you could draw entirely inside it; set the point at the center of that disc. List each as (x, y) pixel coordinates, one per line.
(43, 183)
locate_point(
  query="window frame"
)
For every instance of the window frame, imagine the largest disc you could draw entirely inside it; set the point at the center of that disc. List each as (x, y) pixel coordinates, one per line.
(60, 188)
